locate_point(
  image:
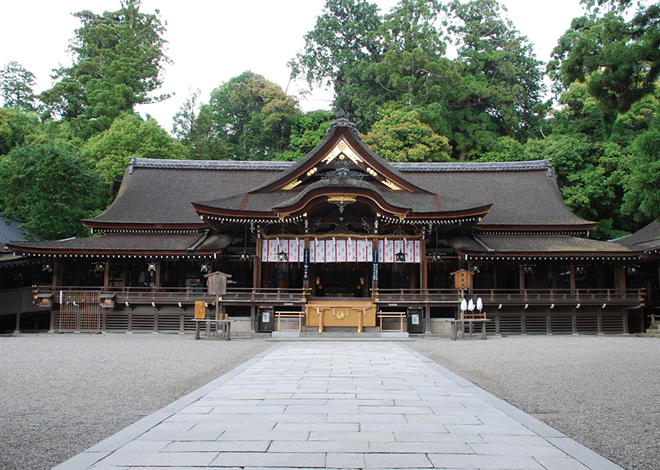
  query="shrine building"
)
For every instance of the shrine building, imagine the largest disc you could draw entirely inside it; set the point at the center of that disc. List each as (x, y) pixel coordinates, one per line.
(339, 241)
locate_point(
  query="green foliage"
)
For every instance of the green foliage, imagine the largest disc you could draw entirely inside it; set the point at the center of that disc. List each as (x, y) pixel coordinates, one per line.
(16, 87)
(308, 130)
(496, 82)
(401, 137)
(130, 136)
(618, 59)
(117, 61)
(193, 127)
(15, 128)
(340, 41)
(337, 51)
(253, 116)
(412, 61)
(49, 188)
(642, 183)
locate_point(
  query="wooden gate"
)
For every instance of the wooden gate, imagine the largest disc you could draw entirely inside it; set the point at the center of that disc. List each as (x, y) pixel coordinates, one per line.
(79, 311)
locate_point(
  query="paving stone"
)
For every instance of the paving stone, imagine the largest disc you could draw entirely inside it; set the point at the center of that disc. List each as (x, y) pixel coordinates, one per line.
(485, 462)
(340, 460)
(319, 446)
(340, 405)
(217, 446)
(269, 459)
(397, 461)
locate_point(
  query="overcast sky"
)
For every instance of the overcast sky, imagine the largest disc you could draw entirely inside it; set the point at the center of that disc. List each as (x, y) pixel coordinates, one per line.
(212, 41)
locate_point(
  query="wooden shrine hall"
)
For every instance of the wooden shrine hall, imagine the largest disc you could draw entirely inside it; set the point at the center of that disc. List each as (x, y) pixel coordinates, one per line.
(338, 241)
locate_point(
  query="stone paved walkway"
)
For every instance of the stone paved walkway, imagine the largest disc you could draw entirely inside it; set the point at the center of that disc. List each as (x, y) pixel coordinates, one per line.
(337, 404)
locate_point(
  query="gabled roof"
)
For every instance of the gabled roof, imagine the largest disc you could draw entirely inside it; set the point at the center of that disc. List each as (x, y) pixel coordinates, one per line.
(342, 141)
(341, 168)
(645, 239)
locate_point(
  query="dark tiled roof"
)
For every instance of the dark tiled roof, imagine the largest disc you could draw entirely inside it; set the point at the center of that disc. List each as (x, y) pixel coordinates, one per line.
(551, 245)
(520, 197)
(9, 231)
(152, 195)
(115, 243)
(162, 191)
(648, 238)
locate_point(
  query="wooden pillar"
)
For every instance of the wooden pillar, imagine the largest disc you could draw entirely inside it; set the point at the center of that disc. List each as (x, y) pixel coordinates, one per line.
(157, 275)
(256, 267)
(123, 275)
(106, 276)
(58, 275)
(620, 276)
(424, 266)
(253, 318)
(572, 276)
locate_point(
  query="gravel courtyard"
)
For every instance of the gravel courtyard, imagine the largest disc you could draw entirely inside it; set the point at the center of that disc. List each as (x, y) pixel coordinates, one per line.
(63, 393)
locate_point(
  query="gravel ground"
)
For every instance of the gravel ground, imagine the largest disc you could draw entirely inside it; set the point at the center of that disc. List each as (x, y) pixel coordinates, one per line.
(601, 391)
(63, 393)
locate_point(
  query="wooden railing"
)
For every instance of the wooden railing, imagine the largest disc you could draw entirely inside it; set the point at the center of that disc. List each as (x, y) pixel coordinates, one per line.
(20, 300)
(170, 295)
(513, 297)
(254, 296)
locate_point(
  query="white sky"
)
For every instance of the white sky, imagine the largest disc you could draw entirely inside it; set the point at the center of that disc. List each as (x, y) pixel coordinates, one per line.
(212, 41)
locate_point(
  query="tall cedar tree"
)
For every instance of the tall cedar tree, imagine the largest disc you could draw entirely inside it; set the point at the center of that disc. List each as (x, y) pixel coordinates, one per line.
(117, 62)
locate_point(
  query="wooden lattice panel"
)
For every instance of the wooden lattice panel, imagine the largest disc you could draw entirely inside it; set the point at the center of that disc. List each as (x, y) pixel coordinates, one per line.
(80, 311)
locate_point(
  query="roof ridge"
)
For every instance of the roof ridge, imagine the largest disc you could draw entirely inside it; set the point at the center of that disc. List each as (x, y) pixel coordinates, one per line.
(261, 165)
(208, 164)
(533, 165)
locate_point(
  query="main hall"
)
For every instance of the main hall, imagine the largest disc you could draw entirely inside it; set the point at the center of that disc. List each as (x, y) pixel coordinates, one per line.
(340, 240)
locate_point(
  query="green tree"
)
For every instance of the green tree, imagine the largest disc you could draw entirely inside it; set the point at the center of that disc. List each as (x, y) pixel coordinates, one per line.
(496, 81)
(401, 137)
(336, 51)
(618, 59)
(16, 87)
(193, 127)
(642, 183)
(49, 188)
(16, 127)
(412, 64)
(307, 131)
(117, 62)
(253, 116)
(130, 136)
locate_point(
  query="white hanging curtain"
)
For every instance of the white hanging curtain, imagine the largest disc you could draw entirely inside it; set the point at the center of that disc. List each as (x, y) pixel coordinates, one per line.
(293, 247)
(389, 249)
(340, 250)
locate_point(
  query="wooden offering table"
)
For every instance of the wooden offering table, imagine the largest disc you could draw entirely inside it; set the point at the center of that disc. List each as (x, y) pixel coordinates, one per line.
(341, 313)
